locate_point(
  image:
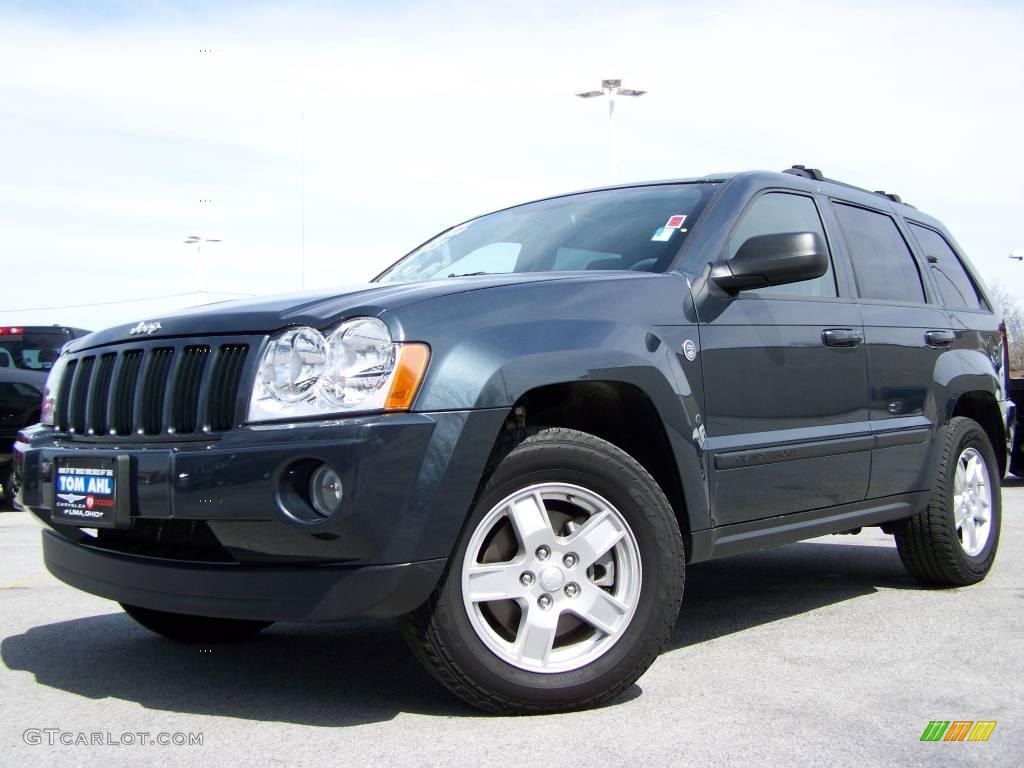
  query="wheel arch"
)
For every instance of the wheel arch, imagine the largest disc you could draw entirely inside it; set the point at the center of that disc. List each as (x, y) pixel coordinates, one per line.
(621, 413)
(982, 406)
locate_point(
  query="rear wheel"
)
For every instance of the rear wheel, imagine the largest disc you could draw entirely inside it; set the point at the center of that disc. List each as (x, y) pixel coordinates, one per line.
(564, 585)
(953, 542)
(186, 628)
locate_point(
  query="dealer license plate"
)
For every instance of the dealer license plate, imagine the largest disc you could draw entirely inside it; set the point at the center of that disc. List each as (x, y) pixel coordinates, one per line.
(86, 491)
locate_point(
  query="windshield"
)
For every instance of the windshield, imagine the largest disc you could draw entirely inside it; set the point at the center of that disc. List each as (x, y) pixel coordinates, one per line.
(637, 228)
(31, 351)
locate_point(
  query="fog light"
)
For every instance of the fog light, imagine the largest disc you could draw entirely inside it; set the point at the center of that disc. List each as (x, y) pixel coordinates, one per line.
(325, 490)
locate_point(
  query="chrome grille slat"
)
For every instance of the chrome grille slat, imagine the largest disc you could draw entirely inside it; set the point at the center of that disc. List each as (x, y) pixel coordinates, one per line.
(80, 394)
(185, 404)
(225, 381)
(99, 395)
(148, 391)
(154, 388)
(61, 416)
(124, 392)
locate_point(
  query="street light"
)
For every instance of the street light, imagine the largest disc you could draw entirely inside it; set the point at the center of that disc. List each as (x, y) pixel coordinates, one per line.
(197, 241)
(611, 89)
(1017, 254)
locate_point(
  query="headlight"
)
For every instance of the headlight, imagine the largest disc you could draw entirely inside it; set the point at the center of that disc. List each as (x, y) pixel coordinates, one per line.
(355, 367)
(49, 405)
(362, 361)
(294, 364)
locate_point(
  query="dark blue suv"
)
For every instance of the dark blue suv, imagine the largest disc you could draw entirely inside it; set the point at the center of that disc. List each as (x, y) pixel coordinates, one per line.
(518, 435)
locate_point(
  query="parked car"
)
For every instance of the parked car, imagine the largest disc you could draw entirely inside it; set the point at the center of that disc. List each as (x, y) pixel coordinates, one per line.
(20, 395)
(519, 435)
(1017, 454)
(26, 356)
(34, 348)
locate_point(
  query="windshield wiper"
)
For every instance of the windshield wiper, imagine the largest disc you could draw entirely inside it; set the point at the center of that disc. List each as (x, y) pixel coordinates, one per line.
(469, 274)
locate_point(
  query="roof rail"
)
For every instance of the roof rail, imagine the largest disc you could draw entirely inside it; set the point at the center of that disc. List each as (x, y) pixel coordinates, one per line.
(806, 173)
(816, 175)
(891, 195)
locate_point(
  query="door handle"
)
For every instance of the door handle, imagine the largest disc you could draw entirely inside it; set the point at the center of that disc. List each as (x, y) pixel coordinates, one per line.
(841, 337)
(939, 338)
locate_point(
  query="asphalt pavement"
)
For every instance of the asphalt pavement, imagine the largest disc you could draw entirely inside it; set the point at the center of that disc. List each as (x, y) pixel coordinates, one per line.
(822, 653)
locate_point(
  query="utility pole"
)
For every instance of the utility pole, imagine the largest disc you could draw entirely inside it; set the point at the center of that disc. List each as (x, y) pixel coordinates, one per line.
(302, 198)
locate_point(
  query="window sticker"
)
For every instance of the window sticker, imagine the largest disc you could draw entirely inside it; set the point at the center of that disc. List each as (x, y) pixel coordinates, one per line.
(675, 222)
(662, 235)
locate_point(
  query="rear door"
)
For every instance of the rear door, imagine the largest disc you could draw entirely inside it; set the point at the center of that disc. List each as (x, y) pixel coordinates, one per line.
(906, 331)
(970, 320)
(785, 380)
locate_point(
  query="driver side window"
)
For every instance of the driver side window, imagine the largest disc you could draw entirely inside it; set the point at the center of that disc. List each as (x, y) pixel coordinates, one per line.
(778, 212)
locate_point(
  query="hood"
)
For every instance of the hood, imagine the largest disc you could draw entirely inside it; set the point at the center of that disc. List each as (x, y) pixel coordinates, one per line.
(317, 309)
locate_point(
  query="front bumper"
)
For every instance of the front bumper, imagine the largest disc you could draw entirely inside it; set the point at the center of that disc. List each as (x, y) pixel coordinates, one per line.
(235, 591)
(211, 532)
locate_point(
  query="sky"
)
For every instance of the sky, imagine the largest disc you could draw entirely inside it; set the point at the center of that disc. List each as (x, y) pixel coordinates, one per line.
(321, 141)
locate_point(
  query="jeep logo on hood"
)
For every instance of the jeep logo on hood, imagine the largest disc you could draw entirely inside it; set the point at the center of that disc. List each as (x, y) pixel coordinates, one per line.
(144, 328)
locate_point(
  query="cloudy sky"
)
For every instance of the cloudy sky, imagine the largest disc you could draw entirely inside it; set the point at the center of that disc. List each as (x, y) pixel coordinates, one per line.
(118, 119)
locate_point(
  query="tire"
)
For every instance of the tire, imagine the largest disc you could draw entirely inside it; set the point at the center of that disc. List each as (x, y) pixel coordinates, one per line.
(6, 480)
(503, 651)
(185, 628)
(936, 550)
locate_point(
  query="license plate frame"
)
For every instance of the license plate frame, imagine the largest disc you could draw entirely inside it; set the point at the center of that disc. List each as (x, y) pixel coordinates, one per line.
(92, 491)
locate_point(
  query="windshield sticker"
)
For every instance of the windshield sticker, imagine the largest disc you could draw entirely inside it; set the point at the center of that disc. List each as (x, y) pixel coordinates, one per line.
(675, 222)
(662, 234)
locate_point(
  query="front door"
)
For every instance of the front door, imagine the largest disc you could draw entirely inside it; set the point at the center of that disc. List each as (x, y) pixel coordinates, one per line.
(785, 381)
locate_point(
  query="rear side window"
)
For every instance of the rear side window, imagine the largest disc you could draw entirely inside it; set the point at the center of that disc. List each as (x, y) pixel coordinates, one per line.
(955, 285)
(777, 213)
(882, 263)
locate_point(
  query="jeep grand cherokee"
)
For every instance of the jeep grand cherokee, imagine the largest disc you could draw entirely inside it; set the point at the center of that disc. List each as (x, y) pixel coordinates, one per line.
(519, 435)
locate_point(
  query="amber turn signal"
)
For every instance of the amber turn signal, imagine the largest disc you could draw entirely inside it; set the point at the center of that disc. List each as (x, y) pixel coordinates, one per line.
(411, 367)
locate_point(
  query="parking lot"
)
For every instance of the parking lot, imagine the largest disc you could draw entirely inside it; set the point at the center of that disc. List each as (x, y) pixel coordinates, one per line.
(819, 653)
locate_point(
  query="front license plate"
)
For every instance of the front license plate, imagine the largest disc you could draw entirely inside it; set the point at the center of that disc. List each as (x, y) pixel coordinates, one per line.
(86, 491)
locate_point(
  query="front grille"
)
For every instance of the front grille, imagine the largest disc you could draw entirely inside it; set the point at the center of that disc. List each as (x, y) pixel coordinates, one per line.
(152, 391)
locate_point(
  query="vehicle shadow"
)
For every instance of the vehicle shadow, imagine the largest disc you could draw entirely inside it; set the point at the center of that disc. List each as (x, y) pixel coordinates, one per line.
(738, 593)
(357, 673)
(324, 675)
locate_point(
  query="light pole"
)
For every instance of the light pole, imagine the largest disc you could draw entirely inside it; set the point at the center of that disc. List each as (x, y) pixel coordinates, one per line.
(197, 241)
(611, 89)
(1017, 254)
(302, 199)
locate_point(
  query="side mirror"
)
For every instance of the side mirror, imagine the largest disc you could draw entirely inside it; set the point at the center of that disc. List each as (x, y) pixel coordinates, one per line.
(775, 259)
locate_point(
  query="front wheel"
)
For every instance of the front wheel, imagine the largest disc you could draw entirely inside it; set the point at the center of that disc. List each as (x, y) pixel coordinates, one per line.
(953, 542)
(6, 480)
(564, 586)
(186, 628)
